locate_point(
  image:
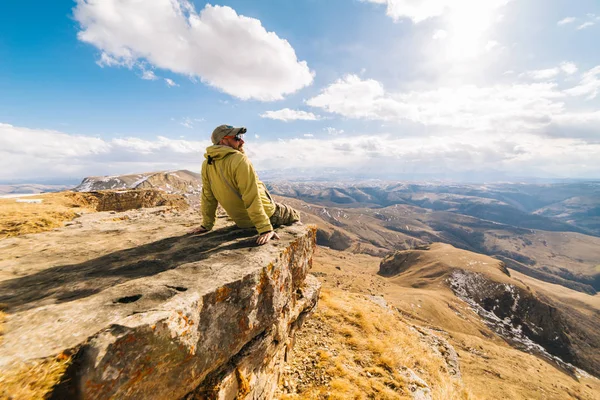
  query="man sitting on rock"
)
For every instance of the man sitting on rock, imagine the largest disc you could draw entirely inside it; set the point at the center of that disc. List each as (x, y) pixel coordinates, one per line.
(229, 179)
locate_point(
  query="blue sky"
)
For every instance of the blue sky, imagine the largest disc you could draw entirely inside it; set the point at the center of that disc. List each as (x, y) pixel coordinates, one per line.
(444, 87)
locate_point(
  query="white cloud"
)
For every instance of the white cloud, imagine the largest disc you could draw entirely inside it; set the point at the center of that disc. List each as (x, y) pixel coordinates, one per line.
(568, 68)
(504, 108)
(440, 34)
(516, 154)
(170, 82)
(333, 131)
(490, 45)
(583, 125)
(308, 135)
(231, 52)
(419, 11)
(38, 153)
(542, 74)
(589, 85)
(187, 122)
(287, 114)
(257, 136)
(149, 75)
(566, 21)
(585, 25)
(33, 153)
(108, 61)
(467, 24)
(48, 143)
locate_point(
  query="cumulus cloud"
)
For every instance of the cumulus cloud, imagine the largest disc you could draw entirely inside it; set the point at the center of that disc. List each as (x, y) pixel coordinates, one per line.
(149, 75)
(333, 131)
(589, 85)
(39, 153)
(490, 45)
(501, 107)
(467, 24)
(568, 68)
(542, 74)
(287, 114)
(440, 34)
(419, 11)
(583, 125)
(170, 82)
(231, 52)
(585, 25)
(385, 153)
(566, 21)
(33, 153)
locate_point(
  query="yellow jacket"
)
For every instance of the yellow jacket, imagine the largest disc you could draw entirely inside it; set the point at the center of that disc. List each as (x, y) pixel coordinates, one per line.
(231, 181)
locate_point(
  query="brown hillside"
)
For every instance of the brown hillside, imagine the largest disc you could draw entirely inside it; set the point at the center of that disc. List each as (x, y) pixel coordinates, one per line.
(490, 367)
(567, 258)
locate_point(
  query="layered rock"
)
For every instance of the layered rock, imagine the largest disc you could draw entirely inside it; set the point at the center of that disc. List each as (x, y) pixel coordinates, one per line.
(205, 316)
(123, 200)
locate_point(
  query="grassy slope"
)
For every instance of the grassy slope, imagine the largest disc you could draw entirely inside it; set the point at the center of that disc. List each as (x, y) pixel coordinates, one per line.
(359, 350)
(23, 218)
(565, 255)
(491, 369)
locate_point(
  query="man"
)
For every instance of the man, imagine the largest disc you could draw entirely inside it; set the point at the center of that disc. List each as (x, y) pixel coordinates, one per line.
(229, 179)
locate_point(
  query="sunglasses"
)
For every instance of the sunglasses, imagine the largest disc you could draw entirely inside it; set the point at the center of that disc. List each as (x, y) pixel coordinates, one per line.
(237, 137)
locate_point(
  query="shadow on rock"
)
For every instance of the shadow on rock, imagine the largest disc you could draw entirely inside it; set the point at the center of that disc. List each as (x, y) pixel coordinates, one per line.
(71, 282)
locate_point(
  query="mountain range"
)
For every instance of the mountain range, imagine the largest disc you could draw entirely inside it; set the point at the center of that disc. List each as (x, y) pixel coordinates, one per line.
(549, 231)
(497, 282)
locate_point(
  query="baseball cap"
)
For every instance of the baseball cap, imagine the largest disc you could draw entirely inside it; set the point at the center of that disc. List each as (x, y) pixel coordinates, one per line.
(225, 130)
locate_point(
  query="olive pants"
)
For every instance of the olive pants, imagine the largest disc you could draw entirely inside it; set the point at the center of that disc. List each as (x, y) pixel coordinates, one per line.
(284, 215)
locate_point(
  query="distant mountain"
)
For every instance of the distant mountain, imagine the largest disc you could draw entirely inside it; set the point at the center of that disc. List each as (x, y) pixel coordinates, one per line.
(181, 182)
(583, 211)
(527, 206)
(30, 188)
(507, 221)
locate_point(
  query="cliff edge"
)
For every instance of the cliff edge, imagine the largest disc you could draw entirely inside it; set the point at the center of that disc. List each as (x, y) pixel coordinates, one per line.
(184, 317)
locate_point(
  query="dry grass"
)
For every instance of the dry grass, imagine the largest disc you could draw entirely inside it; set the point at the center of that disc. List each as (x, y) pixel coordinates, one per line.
(23, 218)
(33, 380)
(2, 318)
(490, 368)
(368, 350)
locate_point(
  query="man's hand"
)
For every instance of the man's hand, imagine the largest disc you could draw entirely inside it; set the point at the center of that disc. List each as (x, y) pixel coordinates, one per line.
(265, 237)
(199, 230)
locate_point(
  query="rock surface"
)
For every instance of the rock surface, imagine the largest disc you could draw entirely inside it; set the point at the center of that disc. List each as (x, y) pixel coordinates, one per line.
(118, 201)
(194, 316)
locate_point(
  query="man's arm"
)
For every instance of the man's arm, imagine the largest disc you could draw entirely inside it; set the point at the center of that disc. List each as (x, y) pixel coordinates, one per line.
(209, 203)
(247, 183)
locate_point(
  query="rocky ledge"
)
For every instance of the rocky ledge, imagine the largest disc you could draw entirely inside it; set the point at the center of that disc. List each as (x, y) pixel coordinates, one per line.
(194, 316)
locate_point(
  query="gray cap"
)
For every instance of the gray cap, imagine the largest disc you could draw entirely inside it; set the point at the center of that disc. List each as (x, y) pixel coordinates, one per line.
(225, 130)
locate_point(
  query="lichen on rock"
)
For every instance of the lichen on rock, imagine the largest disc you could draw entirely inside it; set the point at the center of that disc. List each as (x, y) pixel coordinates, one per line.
(214, 318)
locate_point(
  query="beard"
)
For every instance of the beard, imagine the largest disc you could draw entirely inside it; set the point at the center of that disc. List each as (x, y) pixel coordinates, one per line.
(241, 149)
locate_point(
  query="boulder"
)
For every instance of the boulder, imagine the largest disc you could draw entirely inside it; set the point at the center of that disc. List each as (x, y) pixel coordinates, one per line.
(196, 316)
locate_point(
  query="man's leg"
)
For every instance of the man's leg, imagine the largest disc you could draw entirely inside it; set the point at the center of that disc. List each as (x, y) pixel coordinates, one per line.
(284, 215)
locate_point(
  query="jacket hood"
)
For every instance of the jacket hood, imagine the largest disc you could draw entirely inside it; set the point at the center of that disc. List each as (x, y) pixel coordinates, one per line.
(216, 151)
